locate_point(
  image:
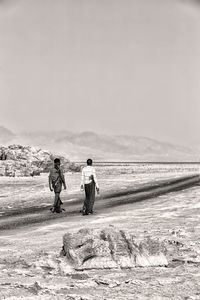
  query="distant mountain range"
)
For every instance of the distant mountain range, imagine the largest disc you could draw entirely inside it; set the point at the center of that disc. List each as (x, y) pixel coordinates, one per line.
(79, 146)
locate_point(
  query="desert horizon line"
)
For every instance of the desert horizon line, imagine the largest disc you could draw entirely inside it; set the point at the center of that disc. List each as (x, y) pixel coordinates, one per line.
(139, 162)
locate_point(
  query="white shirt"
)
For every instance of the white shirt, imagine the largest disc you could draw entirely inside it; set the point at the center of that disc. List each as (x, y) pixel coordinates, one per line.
(86, 175)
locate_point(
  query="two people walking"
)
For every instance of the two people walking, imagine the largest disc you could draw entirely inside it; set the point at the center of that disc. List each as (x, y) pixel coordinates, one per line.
(88, 184)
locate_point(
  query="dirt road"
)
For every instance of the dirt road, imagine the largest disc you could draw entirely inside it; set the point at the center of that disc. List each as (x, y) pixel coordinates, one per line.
(37, 214)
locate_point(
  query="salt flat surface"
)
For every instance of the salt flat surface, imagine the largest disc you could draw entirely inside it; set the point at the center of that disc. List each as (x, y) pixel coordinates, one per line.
(30, 264)
(27, 192)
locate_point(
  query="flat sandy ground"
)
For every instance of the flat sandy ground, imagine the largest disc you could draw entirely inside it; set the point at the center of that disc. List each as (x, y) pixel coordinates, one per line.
(30, 262)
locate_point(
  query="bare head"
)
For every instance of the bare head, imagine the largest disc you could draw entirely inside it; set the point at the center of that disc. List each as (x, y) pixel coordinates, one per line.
(89, 162)
(57, 162)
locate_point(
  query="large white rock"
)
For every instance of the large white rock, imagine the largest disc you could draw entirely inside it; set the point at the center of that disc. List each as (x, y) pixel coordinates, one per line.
(29, 161)
(111, 248)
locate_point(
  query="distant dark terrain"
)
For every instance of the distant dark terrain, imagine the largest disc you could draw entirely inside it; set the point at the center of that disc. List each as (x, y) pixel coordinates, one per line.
(78, 146)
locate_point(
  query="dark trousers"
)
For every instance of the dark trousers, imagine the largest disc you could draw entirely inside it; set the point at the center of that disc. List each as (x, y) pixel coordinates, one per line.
(57, 203)
(57, 200)
(89, 197)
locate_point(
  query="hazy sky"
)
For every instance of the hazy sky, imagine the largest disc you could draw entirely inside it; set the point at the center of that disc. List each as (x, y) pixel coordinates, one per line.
(110, 66)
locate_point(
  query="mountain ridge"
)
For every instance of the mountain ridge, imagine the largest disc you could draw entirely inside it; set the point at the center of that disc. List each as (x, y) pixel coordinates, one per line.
(79, 146)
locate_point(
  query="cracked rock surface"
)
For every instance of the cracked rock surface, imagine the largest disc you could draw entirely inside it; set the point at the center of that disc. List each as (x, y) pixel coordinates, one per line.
(111, 248)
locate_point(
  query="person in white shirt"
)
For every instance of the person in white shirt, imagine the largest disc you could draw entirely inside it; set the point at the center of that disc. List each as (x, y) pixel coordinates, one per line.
(89, 184)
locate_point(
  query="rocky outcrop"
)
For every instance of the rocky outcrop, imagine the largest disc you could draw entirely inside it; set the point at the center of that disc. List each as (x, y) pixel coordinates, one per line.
(111, 248)
(30, 161)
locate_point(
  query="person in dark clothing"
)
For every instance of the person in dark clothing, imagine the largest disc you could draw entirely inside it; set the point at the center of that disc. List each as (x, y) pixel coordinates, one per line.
(89, 184)
(3, 155)
(56, 180)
